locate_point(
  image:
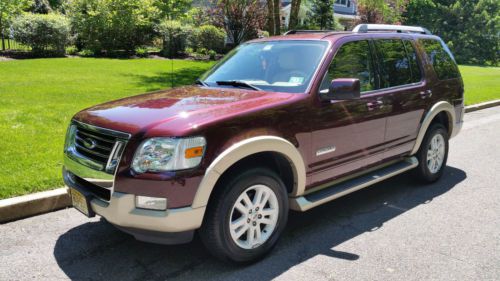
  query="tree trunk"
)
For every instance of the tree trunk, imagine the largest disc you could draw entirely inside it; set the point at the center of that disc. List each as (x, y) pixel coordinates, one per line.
(294, 14)
(1, 31)
(270, 17)
(277, 20)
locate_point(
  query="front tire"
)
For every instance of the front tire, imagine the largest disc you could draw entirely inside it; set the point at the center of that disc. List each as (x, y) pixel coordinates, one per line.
(433, 154)
(246, 216)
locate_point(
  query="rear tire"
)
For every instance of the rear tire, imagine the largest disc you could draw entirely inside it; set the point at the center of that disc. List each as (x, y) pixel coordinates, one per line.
(433, 154)
(245, 216)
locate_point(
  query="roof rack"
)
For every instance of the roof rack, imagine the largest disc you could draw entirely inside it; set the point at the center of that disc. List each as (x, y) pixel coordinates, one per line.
(290, 32)
(363, 28)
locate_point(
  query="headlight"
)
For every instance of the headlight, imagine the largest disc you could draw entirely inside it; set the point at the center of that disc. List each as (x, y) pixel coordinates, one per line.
(70, 137)
(168, 154)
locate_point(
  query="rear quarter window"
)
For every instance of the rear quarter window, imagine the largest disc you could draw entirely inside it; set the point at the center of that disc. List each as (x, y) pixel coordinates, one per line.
(441, 59)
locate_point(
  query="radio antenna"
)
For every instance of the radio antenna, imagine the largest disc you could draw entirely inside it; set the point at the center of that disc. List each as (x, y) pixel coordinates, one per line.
(171, 65)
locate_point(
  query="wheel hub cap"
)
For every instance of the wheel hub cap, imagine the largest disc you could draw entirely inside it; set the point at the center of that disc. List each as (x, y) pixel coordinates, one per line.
(254, 216)
(435, 153)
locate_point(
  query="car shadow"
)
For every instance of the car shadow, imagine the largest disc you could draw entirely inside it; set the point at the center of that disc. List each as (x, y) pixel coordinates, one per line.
(98, 251)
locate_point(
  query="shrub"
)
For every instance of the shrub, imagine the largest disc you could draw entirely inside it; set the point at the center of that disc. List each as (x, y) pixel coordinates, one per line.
(141, 52)
(209, 37)
(71, 50)
(43, 33)
(112, 25)
(86, 53)
(212, 54)
(174, 36)
(203, 51)
(263, 34)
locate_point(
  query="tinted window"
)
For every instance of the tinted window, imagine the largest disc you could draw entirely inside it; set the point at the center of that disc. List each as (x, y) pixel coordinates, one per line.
(441, 59)
(416, 73)
(353, 60)
(394, 65)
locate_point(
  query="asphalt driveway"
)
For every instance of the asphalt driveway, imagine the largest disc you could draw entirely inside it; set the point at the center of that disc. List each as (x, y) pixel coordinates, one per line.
(395, 230)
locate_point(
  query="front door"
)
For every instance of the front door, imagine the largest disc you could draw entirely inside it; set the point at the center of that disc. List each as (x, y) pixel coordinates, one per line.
(348, 135)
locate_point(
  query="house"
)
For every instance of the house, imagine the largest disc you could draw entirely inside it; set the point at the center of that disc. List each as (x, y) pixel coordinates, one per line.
(343, 10)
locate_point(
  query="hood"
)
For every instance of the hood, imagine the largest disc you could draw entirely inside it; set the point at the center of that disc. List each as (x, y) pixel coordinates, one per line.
(179, 110)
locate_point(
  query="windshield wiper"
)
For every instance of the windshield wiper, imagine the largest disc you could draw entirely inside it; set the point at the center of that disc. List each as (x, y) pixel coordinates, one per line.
(199, 82)
(238, 83)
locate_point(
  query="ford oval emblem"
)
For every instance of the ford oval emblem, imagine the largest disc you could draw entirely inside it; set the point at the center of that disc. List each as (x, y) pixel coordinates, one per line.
(89, 143)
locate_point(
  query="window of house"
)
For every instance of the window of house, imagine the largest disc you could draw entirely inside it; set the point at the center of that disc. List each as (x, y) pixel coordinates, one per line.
(395, 67)
(441, 59)
(353, 60)
(346, 3)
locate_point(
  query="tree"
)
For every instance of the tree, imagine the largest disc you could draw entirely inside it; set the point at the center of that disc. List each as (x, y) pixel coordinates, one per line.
(469, 27)
(112, 24)
(294, 14)
(381, 11)
(242, 19)
(270, 17)
(322, 14)
(277, 18)
(173, 9)
(9, 9)
(40, 7)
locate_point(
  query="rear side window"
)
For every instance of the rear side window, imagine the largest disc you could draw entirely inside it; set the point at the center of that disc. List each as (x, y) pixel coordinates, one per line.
(395, 66)
(441, 59)
(353, 60)
(416, 72)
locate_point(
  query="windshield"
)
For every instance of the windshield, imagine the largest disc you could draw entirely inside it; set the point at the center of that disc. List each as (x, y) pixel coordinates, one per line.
(278, 66)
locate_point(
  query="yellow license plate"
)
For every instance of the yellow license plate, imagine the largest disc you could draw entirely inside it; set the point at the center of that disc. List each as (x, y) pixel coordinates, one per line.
(79, 202)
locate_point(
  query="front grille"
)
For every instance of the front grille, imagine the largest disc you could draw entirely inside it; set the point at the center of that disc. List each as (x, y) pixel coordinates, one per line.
(95, 146)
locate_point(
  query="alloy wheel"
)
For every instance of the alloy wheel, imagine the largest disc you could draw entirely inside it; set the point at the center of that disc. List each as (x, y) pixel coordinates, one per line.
(254, 216)
(435, 153)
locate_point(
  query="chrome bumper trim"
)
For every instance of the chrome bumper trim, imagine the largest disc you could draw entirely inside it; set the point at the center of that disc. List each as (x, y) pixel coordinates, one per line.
(85, 172)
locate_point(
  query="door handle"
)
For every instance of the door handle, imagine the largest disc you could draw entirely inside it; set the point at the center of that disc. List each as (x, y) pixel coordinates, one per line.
(426, 94)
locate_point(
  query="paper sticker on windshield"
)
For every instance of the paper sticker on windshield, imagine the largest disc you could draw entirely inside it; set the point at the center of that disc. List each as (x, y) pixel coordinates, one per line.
(297, 80)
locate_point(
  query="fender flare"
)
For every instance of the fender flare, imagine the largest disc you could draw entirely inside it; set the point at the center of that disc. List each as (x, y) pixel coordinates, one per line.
(242, 149)
(442, 106)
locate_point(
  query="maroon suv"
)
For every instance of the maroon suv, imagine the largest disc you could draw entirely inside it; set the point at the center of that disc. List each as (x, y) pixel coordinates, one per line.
(287, 122)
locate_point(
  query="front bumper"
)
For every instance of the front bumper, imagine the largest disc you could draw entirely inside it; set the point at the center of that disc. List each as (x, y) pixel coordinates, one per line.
(172, 226)
(121, 211)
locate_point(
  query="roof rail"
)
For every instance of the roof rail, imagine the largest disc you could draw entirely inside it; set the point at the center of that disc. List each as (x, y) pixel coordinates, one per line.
(363, 28)
(290, 32)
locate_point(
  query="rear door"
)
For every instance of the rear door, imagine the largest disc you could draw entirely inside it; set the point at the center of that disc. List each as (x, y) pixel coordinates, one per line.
(406, 94)
(348, 135)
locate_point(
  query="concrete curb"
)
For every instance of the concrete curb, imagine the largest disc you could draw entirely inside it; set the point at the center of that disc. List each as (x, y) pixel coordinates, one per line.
(47, 201)
(33, 204)
(483, 105)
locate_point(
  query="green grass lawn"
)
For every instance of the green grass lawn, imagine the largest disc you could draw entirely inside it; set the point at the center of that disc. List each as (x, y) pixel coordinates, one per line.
(481, 83)
(38, 98)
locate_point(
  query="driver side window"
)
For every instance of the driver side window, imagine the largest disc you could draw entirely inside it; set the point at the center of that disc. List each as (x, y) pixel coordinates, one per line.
(353, 60)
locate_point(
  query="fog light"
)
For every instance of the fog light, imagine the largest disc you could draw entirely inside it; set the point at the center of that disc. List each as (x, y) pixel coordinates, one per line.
(151, 203)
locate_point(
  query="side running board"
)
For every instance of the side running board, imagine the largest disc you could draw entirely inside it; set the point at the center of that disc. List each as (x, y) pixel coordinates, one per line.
(306, 202)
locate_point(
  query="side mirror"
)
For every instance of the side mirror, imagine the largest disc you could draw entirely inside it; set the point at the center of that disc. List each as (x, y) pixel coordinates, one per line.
(342, 89)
